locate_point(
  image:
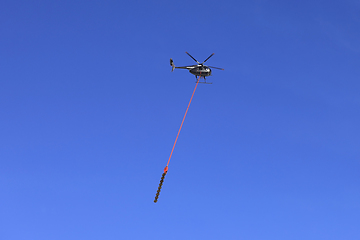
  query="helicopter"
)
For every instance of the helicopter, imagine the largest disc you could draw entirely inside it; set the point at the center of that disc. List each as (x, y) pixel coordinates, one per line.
(199, 69)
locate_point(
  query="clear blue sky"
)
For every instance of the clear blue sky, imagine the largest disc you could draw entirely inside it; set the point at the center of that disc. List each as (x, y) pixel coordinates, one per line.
(89, 111)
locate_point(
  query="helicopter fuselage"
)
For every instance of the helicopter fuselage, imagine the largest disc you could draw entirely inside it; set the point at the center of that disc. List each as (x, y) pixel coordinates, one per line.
(202, 71)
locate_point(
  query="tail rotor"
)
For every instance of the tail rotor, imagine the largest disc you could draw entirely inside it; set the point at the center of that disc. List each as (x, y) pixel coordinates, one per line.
(172, 64)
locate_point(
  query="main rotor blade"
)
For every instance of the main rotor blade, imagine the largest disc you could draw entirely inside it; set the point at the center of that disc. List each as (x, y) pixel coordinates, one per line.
(192, 57)
(215, 67)
(208, 57)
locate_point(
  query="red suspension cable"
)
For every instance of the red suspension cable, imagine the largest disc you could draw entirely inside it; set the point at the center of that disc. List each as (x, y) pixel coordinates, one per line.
(182, 122)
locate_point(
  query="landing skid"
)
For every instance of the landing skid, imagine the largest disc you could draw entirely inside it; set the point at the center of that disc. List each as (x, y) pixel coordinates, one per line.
(202, 82)
(205, 82)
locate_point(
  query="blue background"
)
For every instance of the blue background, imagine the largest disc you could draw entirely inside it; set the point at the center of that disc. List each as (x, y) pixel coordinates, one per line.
(89, 111)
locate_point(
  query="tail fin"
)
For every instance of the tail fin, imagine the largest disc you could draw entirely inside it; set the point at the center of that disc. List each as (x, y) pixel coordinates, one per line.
(172, 64)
